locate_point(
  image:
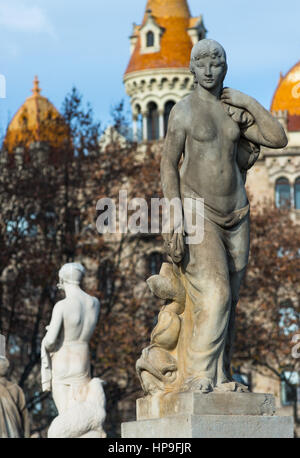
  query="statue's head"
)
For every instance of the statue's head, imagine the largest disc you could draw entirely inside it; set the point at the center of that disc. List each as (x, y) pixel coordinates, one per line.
(208, 64)
(4, 366)
(71, 273)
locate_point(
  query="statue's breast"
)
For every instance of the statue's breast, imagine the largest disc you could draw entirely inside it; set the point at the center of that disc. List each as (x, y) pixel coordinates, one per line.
(215, 125)
(204, 130)
(229, 128)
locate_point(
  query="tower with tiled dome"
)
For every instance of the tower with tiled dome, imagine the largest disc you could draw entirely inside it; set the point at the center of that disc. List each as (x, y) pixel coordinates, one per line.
(158, 73)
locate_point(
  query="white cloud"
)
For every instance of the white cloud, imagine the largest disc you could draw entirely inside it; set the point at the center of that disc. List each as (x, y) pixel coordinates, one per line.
(17, 16)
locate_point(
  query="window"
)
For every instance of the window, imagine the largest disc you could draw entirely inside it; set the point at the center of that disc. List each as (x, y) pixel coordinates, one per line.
(297, 193)
(150, 34)
(283, 193)
(168, 107)
(289, 390)
(150, 39)
(152, 122)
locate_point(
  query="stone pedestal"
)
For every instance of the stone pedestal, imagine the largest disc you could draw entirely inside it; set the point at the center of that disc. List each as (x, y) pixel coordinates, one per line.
(212, 415)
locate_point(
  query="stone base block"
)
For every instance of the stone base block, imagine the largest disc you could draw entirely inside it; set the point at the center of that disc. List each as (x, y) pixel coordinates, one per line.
(210, 426)
(197, 403)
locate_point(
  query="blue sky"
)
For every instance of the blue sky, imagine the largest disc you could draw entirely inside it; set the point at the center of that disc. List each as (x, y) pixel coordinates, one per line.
(85, 43)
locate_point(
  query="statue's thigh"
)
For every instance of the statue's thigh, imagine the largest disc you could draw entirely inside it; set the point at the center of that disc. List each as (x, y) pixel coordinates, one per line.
(237, 243)
(61, 395)
(207, 260)
(206, 274)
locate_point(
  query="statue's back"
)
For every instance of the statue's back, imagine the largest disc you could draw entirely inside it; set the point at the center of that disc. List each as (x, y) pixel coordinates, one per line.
(80, 316)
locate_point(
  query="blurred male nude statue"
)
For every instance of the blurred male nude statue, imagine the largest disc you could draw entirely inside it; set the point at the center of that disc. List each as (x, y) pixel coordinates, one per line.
(66, 359)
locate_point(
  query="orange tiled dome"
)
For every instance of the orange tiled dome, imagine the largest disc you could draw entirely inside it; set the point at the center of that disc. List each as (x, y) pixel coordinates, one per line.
(287, 97)
(176, 45)
(36, 120)
(169, 8)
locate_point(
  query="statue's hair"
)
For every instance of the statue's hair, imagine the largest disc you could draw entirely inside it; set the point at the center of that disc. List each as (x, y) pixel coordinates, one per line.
(4, 365)
(208, 48)
(72, 273)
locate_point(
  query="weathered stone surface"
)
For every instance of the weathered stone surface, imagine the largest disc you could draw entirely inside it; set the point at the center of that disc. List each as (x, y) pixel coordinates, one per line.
(217, 132)
(197, 403)
(211, 426)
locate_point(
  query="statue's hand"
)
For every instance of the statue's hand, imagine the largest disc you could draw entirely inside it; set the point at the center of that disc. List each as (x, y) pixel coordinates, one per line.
(174, 245)
(235, 98)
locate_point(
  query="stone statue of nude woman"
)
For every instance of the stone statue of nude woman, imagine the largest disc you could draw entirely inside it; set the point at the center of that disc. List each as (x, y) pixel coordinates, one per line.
(217, 132)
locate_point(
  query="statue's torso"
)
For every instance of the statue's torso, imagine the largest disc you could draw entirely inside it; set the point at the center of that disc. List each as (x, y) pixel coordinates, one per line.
(71, 360)
(210, 169)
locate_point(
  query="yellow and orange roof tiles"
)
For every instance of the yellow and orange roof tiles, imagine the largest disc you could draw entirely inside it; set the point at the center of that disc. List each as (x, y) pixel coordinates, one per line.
(287, 97)
(36, 120)
(174, 16)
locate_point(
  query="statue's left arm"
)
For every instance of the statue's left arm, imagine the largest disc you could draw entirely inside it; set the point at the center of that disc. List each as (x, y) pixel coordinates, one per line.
(265, 130)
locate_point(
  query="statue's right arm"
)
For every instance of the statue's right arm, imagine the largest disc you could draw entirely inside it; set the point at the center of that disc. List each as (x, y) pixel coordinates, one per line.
(54, 327)
(170, 179)
(173, 149)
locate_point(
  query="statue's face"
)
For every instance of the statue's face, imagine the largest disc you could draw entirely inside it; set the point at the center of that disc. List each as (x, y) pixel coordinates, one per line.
(60, 284)
(209, 71)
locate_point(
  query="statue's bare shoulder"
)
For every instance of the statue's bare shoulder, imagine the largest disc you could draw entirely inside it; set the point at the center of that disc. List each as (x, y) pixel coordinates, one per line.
(90, 300)
(181, 113)
(59, 307)
(93, 302)
(82, 306)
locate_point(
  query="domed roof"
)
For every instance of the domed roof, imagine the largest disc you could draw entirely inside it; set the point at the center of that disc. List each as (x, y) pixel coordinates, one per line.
(36, 120)
(173, 16)
(287, 97)
(169, 8)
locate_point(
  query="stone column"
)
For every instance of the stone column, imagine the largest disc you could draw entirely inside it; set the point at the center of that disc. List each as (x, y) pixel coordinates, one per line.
(135, 129)
(145, 126)
(161, 124)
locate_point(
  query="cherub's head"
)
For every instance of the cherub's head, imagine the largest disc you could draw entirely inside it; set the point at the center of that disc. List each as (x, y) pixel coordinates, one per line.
(208, 64)
(71, 273)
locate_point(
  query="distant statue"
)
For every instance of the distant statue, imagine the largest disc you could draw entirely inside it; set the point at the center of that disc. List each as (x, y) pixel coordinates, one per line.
(80, 400)
(217, 132)
(14, 419)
